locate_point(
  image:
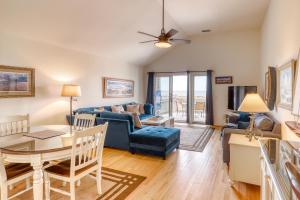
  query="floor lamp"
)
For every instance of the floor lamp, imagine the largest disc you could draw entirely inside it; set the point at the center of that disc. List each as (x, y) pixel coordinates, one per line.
(71, 91)
(252, 104)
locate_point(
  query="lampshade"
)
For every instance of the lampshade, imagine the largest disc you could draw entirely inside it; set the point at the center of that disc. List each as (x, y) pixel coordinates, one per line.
(69, 90)
(253, 103)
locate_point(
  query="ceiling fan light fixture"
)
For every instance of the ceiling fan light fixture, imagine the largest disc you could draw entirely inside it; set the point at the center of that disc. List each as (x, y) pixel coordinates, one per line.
(163, 44)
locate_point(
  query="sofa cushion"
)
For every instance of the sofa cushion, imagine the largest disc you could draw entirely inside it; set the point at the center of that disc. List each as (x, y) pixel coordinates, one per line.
(107, 108)
(263, 123)
(244, 117)
(136, 120)
(141, 109)
(243, 125)
(117, 108)
(133, 108)
(111, 115)
(155, 135)
(148, 109)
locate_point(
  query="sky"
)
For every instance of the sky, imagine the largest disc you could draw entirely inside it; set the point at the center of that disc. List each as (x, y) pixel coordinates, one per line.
(180, 83)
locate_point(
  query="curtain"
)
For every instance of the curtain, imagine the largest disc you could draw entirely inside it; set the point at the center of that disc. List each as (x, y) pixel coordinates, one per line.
(209, 120)
(150, 88)
(188, 117)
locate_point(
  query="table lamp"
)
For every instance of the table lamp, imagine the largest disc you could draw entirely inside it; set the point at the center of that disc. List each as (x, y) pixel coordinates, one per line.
(69, 90)
(252, 104)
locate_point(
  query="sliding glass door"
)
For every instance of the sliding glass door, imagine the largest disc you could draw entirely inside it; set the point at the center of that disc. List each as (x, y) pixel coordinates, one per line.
(172, 99)
(198, 97)
(179, 97)
(162, 95)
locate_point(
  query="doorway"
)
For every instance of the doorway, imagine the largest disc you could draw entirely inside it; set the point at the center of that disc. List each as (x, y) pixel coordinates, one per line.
(173, 98)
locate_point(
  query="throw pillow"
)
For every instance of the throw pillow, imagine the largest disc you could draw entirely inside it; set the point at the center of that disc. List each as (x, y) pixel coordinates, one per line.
(243, 125)
(264, 123)
(133, 109)
(101, 109)
(142, 109)
(244, 117)
(137, 121)
(117, 109)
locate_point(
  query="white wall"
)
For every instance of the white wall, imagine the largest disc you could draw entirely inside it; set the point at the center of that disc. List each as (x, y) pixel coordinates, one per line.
(280, 42)
(235, 54)
(55, 66)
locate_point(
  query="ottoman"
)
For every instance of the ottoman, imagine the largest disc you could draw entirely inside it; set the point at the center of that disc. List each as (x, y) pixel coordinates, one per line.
(155, 140)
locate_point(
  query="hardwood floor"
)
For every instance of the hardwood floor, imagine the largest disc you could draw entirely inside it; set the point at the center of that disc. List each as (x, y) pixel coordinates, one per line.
(185, 175)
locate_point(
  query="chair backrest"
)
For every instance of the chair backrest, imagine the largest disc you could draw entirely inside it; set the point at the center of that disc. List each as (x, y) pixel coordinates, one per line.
(200, 105)
(179, 106)
(11, 125)
(87, 147)
(83, 121)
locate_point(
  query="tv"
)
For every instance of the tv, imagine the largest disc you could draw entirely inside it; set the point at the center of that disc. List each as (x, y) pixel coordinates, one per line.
(236, 95)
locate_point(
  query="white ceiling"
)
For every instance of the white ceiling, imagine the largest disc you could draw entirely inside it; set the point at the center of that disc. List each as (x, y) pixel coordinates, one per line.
(109, 27)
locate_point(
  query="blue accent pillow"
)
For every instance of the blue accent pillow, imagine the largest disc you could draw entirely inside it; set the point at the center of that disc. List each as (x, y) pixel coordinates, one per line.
(243, 125)
(244, 117)
(148, 109)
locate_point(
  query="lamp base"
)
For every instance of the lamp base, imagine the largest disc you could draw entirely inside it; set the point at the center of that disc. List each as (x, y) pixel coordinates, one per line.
(251, 133)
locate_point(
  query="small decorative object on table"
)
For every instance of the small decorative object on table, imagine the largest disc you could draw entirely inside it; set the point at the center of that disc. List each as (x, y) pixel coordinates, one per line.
(252, 104)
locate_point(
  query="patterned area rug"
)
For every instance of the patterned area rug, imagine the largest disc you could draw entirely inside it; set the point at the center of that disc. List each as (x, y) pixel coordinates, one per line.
(194, 137)
(118, 185)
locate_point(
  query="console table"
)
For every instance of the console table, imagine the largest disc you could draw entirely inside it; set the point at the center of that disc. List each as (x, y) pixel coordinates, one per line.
(244, 159)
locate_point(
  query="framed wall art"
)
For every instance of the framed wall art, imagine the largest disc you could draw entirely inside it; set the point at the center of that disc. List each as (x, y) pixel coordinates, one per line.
(117, 88)
(223, 80)
(267, 86)
(16, 82)
(286, 78)
(296, 100)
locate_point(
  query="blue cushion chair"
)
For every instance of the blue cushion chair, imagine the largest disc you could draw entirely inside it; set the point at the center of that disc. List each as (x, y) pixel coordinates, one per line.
(155, 140)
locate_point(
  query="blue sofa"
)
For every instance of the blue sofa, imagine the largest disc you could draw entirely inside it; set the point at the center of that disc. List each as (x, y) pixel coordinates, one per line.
(122, 134)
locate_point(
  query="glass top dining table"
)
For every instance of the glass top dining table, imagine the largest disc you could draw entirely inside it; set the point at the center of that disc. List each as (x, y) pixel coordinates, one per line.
(40, 139)
(41, 144)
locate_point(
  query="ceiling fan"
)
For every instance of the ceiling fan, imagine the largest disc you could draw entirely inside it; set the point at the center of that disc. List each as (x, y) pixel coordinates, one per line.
(164, 40)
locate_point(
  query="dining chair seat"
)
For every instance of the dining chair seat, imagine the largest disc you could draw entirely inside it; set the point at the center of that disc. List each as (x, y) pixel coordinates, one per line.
(14, 170)
(64, 168)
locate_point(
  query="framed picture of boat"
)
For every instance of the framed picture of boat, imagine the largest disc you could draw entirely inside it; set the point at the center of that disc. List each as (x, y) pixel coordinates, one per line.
(16, 82)
(117, 88)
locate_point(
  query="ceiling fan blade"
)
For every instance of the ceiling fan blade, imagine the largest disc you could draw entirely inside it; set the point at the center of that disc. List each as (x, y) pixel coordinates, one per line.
(181, 40)
(149, 41)
(147, 34)
(171, 33)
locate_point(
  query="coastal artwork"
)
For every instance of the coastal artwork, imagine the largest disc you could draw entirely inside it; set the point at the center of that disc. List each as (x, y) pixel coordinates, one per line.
(16, 82)
(286, 85)
(118, 88)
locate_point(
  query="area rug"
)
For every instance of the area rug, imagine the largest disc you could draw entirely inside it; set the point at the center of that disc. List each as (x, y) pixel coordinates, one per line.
(117, 185)
(194, 137)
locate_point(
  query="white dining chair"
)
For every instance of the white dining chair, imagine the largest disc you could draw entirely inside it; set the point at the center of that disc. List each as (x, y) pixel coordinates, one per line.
(11, 125)
(83, 121)
(11, 174)
(86, 157)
